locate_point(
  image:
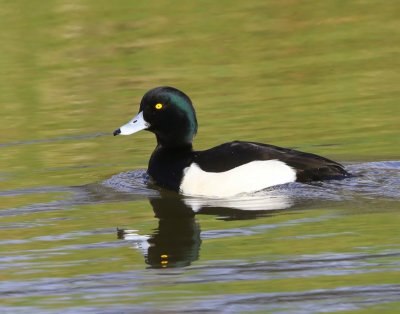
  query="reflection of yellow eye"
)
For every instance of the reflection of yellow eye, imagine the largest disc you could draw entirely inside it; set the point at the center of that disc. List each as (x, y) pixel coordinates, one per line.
(158, 106)
(164, 260)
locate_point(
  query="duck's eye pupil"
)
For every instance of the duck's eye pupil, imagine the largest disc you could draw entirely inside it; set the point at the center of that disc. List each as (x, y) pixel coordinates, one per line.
(158, 106)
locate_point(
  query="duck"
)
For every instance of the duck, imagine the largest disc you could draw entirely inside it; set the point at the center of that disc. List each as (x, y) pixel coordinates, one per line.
(229, 169)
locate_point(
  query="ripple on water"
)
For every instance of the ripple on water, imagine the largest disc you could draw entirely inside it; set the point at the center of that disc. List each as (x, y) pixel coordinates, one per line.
(371, 180)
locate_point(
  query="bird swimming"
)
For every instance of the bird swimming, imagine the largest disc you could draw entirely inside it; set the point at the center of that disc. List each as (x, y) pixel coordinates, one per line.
(225, 170)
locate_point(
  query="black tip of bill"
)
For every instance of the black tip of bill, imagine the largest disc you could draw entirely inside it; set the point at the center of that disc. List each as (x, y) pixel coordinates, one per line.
(116, 132)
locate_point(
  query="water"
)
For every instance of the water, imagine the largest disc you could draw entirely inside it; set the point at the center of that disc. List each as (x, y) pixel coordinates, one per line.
(82, 231)
(295, 249)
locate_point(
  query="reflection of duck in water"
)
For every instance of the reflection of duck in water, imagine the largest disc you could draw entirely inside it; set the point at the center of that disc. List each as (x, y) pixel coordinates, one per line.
(223, 171)
(176, 242)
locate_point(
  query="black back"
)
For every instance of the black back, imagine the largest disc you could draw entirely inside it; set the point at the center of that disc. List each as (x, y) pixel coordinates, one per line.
(166, 165)
(309, 167)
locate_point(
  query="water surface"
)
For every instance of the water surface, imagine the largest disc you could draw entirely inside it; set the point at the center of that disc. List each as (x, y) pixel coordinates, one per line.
(81, 231)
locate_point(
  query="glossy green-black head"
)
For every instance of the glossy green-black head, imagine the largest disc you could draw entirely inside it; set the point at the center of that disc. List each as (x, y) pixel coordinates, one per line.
(168, 113)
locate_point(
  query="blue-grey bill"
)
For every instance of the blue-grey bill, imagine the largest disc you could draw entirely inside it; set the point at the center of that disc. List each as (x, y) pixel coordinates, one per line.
(135, 125)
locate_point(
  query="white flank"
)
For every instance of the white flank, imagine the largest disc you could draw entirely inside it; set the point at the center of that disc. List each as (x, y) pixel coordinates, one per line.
(254, 176)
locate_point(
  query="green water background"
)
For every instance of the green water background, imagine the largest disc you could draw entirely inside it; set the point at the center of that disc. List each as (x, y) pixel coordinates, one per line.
(321, 76)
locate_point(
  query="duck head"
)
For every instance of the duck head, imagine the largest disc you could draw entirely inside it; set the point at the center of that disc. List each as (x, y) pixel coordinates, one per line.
(168, 113)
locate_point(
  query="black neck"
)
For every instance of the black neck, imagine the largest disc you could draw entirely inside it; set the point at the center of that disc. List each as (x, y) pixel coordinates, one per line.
(180, 144)
(167, 163)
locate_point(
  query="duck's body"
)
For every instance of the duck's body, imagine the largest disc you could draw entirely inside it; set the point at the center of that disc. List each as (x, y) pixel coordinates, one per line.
(225, 170)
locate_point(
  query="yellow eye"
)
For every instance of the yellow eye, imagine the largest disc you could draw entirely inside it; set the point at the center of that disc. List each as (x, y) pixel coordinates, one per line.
(158, 106)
